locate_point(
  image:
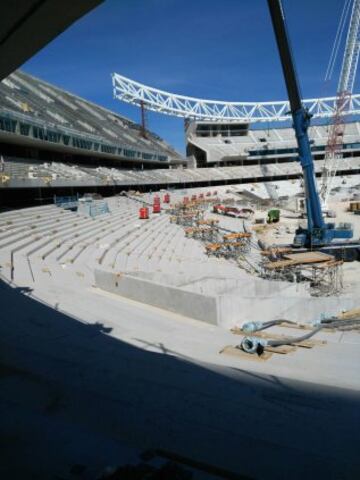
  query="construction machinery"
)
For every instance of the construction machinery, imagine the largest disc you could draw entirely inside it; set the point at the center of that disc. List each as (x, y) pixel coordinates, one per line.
(333, 152)
(233, 211)
(273, 215)
(317, 233)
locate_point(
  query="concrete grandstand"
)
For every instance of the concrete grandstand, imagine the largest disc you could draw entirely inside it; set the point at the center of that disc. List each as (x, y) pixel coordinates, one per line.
(53, 142)
(41, 116)
(50, 138)
(225, 144)
(47, 123)
(124, 318)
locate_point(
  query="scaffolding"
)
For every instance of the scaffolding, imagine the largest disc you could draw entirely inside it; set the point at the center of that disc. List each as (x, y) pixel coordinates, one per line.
(320, 272)
(190, 215)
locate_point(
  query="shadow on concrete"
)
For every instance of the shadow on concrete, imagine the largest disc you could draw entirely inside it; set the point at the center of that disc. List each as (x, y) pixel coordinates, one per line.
(24, 290)
(72, 394)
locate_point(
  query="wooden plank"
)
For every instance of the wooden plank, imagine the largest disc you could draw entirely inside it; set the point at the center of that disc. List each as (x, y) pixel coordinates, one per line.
(279, 264)
(297, 326)
(213, 247)
(284, 349)
(237, 331)
(234, 236)
(309, 257)
(313, 259)
(350, 314)
(331, 263)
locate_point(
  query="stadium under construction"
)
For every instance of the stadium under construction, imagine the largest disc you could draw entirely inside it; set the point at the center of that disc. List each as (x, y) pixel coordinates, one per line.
(180, 316)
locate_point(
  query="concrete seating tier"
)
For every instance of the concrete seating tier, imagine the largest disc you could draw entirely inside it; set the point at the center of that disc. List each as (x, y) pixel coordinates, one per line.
(51, 173)
(52, 107)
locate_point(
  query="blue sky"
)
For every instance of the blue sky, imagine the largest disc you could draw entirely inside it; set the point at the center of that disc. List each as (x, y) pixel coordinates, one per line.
(219, 49)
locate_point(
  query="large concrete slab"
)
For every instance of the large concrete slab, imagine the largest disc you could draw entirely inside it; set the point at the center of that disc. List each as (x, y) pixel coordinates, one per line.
(194, 305)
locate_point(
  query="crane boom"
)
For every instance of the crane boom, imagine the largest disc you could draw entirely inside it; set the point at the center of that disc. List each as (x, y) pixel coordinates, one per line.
(317, 233)
(333, 150)
(351, 54)
(301, 117)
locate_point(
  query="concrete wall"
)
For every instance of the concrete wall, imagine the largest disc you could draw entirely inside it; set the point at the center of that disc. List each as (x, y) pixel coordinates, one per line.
(235, 310)
(224, 310)
(194, 305)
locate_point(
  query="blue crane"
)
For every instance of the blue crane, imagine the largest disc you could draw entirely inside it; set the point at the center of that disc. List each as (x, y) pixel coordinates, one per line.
(318, 233)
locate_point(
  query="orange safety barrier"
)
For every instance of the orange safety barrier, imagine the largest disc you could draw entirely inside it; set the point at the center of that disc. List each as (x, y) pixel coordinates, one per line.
(143, 213)
(156, 208)
(234, 236)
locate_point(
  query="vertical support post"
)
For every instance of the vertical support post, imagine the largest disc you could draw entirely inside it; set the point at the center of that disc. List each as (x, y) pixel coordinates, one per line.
(143, 118)
(12, 267)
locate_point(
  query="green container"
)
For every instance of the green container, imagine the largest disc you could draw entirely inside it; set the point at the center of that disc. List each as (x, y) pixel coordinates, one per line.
(273, 215)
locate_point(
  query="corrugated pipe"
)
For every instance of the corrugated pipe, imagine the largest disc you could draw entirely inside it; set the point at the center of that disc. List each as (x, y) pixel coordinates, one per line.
(256, 344)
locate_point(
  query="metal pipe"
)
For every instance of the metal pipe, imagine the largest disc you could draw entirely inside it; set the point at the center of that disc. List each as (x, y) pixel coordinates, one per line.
(250, 327)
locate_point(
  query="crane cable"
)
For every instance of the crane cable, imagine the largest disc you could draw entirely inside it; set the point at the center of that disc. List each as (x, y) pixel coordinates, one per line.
(337, 41)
